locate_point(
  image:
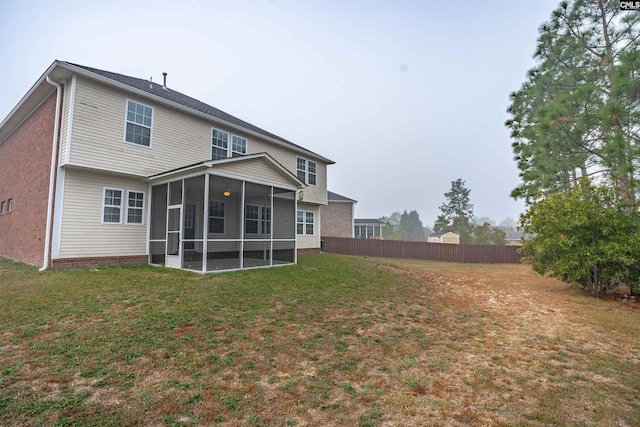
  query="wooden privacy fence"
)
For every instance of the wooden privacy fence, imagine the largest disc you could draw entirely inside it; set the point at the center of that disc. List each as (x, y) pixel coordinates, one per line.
(489, 254)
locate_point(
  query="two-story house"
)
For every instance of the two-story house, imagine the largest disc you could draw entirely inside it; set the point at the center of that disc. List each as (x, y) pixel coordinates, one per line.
(98, 167)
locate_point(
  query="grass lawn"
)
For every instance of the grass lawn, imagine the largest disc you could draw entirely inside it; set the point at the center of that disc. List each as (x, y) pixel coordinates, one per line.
(332, 341)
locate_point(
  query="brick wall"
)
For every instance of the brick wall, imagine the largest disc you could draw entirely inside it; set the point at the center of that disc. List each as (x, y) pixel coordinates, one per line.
(336, 219)
(25, 165)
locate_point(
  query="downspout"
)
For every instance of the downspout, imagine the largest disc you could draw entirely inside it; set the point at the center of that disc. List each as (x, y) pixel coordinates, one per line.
(54, 155)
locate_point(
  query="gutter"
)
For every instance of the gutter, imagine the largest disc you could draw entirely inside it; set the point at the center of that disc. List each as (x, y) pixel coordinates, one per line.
(54, 156)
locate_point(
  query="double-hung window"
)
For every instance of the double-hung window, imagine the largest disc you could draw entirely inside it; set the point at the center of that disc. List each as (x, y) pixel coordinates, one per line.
(238, 146)
(265, 223)
(135, 207)
(111, 206)
(216, 217)
(301, 169)
(9, 205)
(252, 219)
(224, 145)
(219, 144)
(138, 124)
(305, 222)
(307, 171)
(2, 206)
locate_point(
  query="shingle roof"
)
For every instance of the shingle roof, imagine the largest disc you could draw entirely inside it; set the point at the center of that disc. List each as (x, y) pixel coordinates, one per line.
(367, 221)
(184, 100)
(335, 197)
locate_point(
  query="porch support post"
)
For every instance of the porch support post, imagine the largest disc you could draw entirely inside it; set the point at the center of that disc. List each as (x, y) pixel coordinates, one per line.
(242, 225)
(271, 228)
(205, 224)
(295, 226)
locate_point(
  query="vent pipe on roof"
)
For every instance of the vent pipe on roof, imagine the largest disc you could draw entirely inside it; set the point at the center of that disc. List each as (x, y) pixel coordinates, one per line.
(151, 82)
(164, 85)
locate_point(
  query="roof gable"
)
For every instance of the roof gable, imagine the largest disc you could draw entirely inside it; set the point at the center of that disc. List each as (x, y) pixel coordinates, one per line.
(268, 169)
(335, 197)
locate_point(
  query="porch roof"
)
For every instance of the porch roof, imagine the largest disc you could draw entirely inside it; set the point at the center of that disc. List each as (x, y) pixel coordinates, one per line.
(207, 165)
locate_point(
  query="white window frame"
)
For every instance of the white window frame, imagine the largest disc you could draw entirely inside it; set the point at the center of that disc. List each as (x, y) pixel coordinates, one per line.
(104, 205)
(211, 216)
(127, 121)
(299, 213)
(2, 205)
(217, 146)
(313, 174)
(241, 141)
(256, 219)
(309, 177)
(9, 205)
(140, 208)
(231, 140)
(303, 169)
(305, 223)
(265, 220)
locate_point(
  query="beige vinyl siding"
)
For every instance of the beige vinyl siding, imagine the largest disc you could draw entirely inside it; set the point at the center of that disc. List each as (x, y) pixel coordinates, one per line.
(98, 134)
(255, 168)
(287, 158)
(177, 139)
(82, 231)
(310, 241)
(62, 154)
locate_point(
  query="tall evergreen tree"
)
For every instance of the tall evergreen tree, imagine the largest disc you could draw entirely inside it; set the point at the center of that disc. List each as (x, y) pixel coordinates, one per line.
(457, 212)
(578, 112)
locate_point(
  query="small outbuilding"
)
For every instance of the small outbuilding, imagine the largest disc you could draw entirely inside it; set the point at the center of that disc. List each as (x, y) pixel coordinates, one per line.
(444, 237)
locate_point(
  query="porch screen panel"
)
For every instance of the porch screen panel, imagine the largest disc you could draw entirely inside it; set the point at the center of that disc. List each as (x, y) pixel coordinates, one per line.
(256, 253)
(175, 192)
(192, 227)
(159, 212)
(257, 211)
(284, 215)
(156, 252)
(224, 199)
(283, 252)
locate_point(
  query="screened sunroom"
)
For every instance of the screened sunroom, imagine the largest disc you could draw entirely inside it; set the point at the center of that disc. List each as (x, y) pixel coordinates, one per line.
(224, 214)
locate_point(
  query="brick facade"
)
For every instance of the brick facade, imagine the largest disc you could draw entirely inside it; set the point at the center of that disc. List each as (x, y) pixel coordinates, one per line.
(336, 219)
(25, 165)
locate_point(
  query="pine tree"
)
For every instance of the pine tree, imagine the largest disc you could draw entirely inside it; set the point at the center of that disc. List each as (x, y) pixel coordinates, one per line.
(577, 114)
(457, 212)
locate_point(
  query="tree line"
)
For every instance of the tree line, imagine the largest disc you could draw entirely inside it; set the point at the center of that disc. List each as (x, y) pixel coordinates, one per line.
(575, 126)
(457, 217)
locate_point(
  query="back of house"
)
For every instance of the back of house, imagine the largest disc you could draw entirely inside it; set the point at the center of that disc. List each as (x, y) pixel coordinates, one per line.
(99, 167)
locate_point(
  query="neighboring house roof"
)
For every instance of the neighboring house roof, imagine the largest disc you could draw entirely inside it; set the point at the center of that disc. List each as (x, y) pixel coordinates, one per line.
(335, 197)
(367, 222)
(442, 233)
(62, 69)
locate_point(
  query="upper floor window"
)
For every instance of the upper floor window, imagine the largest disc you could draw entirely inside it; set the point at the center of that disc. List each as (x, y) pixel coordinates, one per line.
(139, 119)
(135, 207)
(238, 146)
(9, 205)
(307, 171)
(219, 144)
(222, 148)
(2, 206)
(111, 206)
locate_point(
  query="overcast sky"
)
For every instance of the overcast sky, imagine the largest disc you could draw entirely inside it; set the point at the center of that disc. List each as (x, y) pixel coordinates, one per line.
(405, 96)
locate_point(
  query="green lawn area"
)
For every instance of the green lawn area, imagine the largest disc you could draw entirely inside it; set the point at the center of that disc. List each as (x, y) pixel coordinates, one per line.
(331, 341)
